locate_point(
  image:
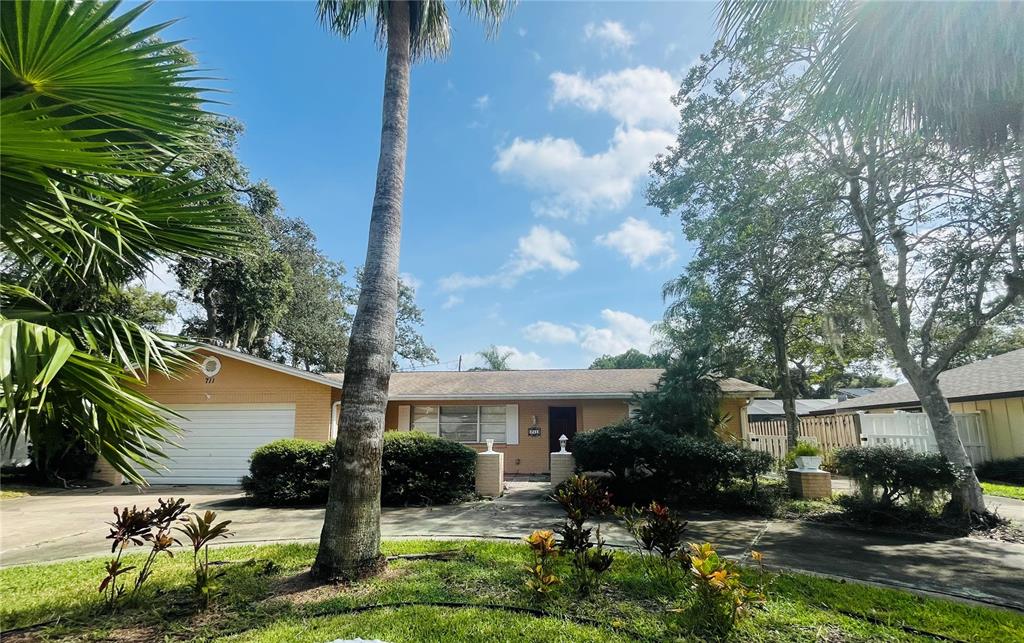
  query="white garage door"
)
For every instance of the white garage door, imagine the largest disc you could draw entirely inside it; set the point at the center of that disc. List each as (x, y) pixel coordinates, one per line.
(217, 440)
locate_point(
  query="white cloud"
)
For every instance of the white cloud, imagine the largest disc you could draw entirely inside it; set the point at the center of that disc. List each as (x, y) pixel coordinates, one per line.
(520, 360)
(541, 249)
(410, 280)
(639, 242)
(522, 32)
(545, 332)
(638, 96)
(482, 102)
(610, 34)
(577, 184)
(622, 332)
(574, 184)
(451, 302)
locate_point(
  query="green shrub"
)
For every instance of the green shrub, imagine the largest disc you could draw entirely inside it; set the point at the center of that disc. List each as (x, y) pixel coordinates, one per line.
(647, 464)
(803, 449)
(422, 469)
(1011, 470)
(290, 472)
(415, 469)
(887, 474)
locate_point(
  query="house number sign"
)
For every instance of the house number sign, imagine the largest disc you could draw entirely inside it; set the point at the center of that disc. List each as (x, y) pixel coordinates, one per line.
(533, 431)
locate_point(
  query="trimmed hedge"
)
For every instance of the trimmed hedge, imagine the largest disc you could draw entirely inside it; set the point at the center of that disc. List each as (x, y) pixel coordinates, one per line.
(290, 472)
(1011, 471)
(646, 463)
(416, 469)
(887, 474)
(420, 469)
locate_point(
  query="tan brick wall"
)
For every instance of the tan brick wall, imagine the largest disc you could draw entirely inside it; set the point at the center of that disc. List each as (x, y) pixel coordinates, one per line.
(242, 383)
(490, 476)
(597, 414)
(562, 466)
(811, 485)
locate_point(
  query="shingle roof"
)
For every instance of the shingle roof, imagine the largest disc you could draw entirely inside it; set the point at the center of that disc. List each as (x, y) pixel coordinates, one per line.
(552, 383)
(774, 407)
(999, 376)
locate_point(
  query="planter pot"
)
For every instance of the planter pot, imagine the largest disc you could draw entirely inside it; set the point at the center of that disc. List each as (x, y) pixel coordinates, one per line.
(808, 462)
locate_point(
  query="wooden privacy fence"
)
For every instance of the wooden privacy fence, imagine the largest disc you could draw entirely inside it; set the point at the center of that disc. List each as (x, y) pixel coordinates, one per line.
(910, 430)
(827, 431)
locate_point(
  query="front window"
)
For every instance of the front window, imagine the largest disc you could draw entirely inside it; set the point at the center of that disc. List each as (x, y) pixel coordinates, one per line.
(461, 423)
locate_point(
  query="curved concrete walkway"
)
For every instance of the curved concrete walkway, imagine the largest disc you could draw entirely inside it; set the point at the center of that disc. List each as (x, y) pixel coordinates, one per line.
(71, 524)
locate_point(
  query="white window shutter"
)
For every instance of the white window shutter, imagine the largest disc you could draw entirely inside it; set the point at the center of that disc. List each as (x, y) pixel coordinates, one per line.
(511, 424)
(403, 417)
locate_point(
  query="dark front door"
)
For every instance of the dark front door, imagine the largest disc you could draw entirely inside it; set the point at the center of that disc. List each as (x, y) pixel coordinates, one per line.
(561, 421)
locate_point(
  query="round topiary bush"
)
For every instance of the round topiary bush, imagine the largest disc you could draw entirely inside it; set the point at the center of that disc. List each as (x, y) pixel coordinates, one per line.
(420, 469)
(289, 472)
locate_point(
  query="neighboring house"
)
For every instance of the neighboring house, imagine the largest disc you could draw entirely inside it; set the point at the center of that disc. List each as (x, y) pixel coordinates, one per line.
(240, 402)
(994, 387)
(763, 410)
(848, 393)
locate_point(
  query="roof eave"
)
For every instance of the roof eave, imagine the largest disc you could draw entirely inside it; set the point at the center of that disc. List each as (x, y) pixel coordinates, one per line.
(264, 363)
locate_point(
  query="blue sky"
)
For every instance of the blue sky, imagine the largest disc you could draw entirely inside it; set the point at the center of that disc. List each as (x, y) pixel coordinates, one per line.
(525, 224)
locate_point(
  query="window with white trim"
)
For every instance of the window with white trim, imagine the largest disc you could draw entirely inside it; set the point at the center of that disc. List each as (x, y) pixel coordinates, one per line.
(462, 423)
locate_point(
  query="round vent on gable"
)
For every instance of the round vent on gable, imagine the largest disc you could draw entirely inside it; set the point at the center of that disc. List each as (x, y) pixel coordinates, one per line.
(210, 366)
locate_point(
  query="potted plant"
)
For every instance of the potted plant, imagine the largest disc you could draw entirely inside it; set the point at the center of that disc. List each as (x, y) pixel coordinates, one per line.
(807, 456)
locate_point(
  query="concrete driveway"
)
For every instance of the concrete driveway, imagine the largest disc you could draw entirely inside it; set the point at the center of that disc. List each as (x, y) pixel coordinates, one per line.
(71, 524)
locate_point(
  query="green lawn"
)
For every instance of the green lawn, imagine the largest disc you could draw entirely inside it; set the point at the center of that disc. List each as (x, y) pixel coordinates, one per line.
(1004, 489)
(274, 601)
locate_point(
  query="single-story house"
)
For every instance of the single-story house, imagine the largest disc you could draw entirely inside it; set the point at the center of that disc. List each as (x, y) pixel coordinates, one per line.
(239, 402)
(994, 387)
(763, 410)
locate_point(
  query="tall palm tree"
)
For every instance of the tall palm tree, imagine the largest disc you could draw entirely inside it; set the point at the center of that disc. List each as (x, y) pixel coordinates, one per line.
(952, 68)
(97, 119)
(409, 31)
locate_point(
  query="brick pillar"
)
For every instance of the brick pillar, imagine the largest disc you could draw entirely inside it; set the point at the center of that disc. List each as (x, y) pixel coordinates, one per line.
(103, 472)
(490, 474)
(563, 465)
(809, 485)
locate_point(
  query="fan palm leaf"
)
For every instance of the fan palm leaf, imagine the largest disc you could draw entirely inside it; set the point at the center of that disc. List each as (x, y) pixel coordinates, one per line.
(951, 68)
(100, 122)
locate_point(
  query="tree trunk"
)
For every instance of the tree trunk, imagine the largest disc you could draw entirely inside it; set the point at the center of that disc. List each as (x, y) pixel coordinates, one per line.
(786, 388)
(969, 494)
(350, 539)
(924, 383)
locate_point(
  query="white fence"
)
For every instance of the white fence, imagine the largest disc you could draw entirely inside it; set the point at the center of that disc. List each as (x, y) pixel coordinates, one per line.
(910, 430)
(914, 431)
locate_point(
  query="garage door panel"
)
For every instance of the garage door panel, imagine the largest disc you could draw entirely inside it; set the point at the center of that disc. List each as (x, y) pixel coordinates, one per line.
(215, 443)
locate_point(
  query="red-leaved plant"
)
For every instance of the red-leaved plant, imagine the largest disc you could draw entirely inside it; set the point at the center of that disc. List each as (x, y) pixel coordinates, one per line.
(136, 527)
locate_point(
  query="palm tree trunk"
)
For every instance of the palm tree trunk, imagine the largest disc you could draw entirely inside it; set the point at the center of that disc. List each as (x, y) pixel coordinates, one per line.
(350, 539)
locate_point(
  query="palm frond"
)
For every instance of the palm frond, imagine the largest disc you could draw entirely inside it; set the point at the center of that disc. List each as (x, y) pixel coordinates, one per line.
(753, 19)
(956, 71)
(101, 128)
(95, 116)
(429, 24)
(49, 385)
